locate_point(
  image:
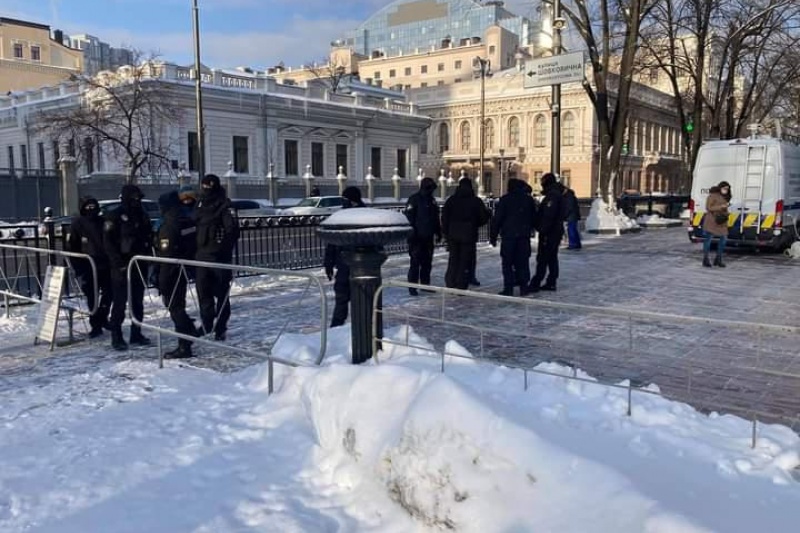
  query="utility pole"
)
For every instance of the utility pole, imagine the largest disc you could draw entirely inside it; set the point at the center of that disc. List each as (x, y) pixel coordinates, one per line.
(198, 84)
(555, 151)
(485, 70)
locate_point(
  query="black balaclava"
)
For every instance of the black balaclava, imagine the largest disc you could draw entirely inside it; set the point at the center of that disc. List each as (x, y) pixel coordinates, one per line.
(548, 180)
(210, 186)
(131, 197)
(353, 194)
(89, 206)
(427, 186)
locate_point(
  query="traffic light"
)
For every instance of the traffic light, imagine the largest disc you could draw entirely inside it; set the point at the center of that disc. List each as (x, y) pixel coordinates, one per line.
(624, 148)
(689, 127)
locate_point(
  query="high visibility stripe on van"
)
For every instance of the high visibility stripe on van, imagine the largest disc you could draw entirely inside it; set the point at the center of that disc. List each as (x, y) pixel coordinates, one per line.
(767, 221)
(749, 220)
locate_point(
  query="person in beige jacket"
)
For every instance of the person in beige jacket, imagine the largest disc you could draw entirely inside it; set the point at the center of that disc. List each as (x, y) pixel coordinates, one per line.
(715, 223)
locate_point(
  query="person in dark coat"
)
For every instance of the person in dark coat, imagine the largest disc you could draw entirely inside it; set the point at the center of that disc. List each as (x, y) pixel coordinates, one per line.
(715, 222)
(127, 232)
(573, 219)
(462, 215)
(422, 212)
(513, 221)
(550, 225)
(334, 259)
(315, 191)
(176, 239)
(217, 233)
(86, 237)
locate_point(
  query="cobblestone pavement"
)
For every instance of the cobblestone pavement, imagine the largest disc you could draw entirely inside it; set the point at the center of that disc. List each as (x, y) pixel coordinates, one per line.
(726, 369)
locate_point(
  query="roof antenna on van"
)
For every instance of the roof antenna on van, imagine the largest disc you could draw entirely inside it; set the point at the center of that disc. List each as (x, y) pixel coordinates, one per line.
(754, 127)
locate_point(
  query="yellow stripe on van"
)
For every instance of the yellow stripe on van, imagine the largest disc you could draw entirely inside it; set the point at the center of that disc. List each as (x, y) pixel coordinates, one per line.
(769, 221)
(697, 218)
(732, 219)
(750, 220)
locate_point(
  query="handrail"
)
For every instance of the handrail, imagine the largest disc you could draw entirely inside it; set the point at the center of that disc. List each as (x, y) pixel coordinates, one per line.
(75, 255)
(183, 263)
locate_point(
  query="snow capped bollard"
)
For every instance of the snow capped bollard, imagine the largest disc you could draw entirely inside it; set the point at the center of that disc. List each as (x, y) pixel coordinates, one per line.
(362, 234)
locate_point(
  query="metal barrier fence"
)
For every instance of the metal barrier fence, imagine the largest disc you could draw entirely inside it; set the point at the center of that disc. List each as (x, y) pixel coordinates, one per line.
(25, 264)
(741, 368)
(284, 316)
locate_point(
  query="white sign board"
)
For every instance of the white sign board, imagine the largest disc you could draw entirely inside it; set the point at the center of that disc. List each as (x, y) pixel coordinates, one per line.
(51, 302)
(554, 70)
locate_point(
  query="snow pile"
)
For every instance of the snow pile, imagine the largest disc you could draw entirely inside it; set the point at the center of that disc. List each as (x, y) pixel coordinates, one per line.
(603, 219)
(794, 250)
(657, 220)
(366, 216)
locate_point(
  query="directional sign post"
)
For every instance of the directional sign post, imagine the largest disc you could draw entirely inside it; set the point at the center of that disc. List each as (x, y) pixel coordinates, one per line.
(554, 70)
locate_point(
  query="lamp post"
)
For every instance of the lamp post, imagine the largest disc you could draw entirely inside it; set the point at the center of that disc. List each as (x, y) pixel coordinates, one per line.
(555, 151)
(308, 177)
(502, 184)
(483, 67)
(198, 87)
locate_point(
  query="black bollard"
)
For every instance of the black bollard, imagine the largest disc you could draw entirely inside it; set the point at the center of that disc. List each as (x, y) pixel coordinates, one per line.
(365, 278)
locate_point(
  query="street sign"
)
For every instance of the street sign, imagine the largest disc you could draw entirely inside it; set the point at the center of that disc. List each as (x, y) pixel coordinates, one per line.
(553, 70)
(52, 291)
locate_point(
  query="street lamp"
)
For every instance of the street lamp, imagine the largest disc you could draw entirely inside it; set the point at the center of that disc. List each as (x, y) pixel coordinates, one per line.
(502, 184)
(483, 68)
(559, 23)
(198, 87)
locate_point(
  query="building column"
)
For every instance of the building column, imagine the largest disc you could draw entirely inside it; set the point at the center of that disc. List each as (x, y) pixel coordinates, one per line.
(69, 185)
(360, 160)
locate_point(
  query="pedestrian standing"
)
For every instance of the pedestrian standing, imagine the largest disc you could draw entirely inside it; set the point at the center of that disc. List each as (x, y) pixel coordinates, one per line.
(550, 226)
(177, 239)
(715, 222)
(86, 237)
(462, 215)
(188, 197)
(513, 222)
(127, 232)
(573, 219)
(422, 212)
(217, 233)
(334, 259)
(315, 191)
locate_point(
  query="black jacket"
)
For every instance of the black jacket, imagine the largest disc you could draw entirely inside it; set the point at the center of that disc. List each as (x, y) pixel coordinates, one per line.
(571, 205)
(422, 212)
(463, 214)
(126, 232)
(515, 214)
(177, 238)
(552, 212)
(217, 229)
(86, 237)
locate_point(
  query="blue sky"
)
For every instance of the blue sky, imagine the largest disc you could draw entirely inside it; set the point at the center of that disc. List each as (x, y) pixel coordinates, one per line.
(256, 33)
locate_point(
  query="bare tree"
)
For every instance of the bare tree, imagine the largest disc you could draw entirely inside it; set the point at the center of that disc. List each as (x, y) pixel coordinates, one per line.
(330, 73)
(125, 111)
(610, 31)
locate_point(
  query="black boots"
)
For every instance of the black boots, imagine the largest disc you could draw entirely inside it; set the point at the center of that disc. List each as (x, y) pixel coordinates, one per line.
(706, 262)
(718, 262)
(117, 342)
(183, 351)
(138, 338)
(506, 292)
(413, 291)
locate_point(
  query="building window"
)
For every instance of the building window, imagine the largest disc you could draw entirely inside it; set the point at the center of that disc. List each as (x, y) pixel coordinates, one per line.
(444, 138)
(407, 71)
(17, 51)
(40, 152)
(193, 151)
(491, 49)
(341, 158)
(465, 136)
(440, 83)
(241, 155)
(56, 154)
(88, 154)
(401, 162)
(11, 159)
(377, 75)
(36, 53)
(423, 69)
(513, 132)
(540, 131)
(566, 177)
(317, 159)
(458, 65)
(440, 67)
(568, 129)
(392, 73)
(23, 152)
(375, 161)
(458, 80)
(653, 74)
(489, 133)
(423, 143)
(290, 154)
(423, 85)
(71, 148)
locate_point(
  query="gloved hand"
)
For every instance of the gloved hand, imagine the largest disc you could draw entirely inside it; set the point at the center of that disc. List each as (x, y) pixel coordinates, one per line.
(329, 272)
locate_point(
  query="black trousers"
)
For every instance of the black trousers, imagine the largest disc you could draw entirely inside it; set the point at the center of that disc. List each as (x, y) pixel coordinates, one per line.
(213, 286)
(119, 284)
(100, 317)
(547, 260)
(515, 255)
(341, 291)
(173, 292)
(460, 267)
(420, 250)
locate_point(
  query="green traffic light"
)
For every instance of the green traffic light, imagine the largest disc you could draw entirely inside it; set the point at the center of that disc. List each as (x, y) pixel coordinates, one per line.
(689, 127)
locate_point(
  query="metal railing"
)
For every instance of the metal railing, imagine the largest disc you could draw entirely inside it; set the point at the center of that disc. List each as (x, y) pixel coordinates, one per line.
(706, 386)
(135, 268)
(19, 265)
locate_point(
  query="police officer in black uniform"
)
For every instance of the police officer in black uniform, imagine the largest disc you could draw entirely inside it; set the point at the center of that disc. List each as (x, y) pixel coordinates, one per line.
(422, 212)
(513, 222)
(333, 258)
(462, 215)
(176, 239)
(217, 233)
(127, 232)
(550, 225)
(86, 237)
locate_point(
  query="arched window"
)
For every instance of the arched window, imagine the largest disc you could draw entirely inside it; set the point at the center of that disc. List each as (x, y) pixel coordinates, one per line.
(423, 142)
(489, 132)
(568, 129)
(444, 137)
(513, 132)
(465, 136)
(540, 131)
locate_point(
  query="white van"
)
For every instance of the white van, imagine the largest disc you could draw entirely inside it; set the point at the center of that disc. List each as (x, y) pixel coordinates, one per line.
(764, 173)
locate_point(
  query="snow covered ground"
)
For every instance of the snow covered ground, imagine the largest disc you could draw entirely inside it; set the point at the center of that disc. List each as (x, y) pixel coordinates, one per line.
(95, 441)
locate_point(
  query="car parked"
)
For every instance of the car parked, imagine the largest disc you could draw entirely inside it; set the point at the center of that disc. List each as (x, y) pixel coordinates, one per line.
(315, 205)
(253, 208)
(150, 207)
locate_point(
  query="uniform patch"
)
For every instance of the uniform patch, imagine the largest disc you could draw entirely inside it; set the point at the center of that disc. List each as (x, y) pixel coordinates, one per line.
(108, 225)
(124, 217)
(164, 244)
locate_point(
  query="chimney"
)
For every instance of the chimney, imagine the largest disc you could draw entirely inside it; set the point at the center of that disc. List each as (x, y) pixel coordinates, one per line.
(58, 36)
